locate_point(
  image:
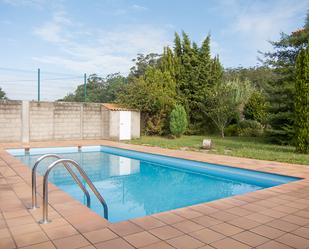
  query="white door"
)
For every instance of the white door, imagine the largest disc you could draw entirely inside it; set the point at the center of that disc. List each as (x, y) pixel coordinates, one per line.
(125, 125)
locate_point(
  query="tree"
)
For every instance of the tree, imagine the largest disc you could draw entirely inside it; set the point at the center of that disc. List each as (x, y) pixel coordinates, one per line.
(224, 100)
(142, 62)
(95, 88)
(281, 92)
(205, 62)
(177, 46)
(168, 63)
(154, 95)
(2, 94)
(99, 90)
(257, 108)
(216, 71)
(189, 67)
(178, 121)
(301, 123)
(195, 71)
(114, 85)
(189, 89)
(261, 77)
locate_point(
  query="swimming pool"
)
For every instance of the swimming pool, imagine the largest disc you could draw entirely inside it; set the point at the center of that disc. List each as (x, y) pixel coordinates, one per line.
(136, 184)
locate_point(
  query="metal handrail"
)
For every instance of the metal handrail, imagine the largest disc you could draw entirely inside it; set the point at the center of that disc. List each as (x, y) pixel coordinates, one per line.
(83, 174)
(74, 176)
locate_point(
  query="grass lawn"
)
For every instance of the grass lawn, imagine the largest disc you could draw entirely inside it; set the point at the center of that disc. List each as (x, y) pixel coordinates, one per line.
(233, 146)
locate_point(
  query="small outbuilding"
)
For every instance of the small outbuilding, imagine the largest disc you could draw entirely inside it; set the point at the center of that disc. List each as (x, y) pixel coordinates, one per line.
(120, 123)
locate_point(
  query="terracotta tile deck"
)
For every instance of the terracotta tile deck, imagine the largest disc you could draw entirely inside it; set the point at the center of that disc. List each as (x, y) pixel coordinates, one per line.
(273, 218)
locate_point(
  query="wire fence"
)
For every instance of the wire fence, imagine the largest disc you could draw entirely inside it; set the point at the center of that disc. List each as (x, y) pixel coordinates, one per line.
(39, 85)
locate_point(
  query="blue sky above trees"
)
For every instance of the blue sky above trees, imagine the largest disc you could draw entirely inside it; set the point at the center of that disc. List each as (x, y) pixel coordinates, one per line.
(102, 37)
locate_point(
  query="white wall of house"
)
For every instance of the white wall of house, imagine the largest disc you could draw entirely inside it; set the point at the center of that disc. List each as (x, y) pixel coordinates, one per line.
(135, 124)
(114, 119)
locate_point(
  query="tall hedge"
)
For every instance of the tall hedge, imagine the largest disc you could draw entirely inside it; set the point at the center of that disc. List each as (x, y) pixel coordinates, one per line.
(178, 121)
(301, 124)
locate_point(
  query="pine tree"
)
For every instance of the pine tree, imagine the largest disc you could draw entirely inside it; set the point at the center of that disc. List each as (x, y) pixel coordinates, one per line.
(200, 79)
(216, 71)
(177, 57)
(301, 123)
(177, 45)
(195, 72)
(168, 63)
(205, 62)
(186, 59)
(186, 44)
(281, 92)
(188, 82)
(183, 78)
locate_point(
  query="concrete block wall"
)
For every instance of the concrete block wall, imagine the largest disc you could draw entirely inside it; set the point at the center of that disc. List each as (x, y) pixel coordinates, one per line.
(10, 121)
(41, 118)
(24, 121)
(67, 121)
(105, 116)
(92, 121)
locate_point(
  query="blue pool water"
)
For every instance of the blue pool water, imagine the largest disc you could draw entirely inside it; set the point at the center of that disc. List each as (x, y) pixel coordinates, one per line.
(136, 184)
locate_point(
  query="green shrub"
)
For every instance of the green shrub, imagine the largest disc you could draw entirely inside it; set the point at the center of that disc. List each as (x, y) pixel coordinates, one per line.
(249, 124)
(178, 121)
(256, 108)
(250, 128)
(232, 130)
(249, 132)
(156, 124)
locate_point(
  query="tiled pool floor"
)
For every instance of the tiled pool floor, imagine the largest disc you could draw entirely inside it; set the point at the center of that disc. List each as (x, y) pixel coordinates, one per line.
(276, 217)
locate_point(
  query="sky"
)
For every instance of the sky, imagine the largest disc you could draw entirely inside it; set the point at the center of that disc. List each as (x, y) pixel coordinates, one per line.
(67, 38)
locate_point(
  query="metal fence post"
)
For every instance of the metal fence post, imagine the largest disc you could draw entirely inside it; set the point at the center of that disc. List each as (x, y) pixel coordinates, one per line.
(85, 87)
(39, 85)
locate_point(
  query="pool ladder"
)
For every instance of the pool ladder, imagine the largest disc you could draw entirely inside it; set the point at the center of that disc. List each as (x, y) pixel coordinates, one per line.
(67, 165)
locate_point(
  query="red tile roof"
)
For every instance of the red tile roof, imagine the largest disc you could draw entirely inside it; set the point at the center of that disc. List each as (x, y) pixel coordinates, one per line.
(116, 107)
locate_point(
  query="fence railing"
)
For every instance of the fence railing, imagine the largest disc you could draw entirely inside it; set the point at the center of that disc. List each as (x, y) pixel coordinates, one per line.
(21, 84)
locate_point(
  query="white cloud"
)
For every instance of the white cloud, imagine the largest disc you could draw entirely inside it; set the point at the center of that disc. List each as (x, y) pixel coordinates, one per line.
(100, 50)
(252, 24)
(52, 30)
(263, 22)
(139, 7)
(34, 3)
(132, 8)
